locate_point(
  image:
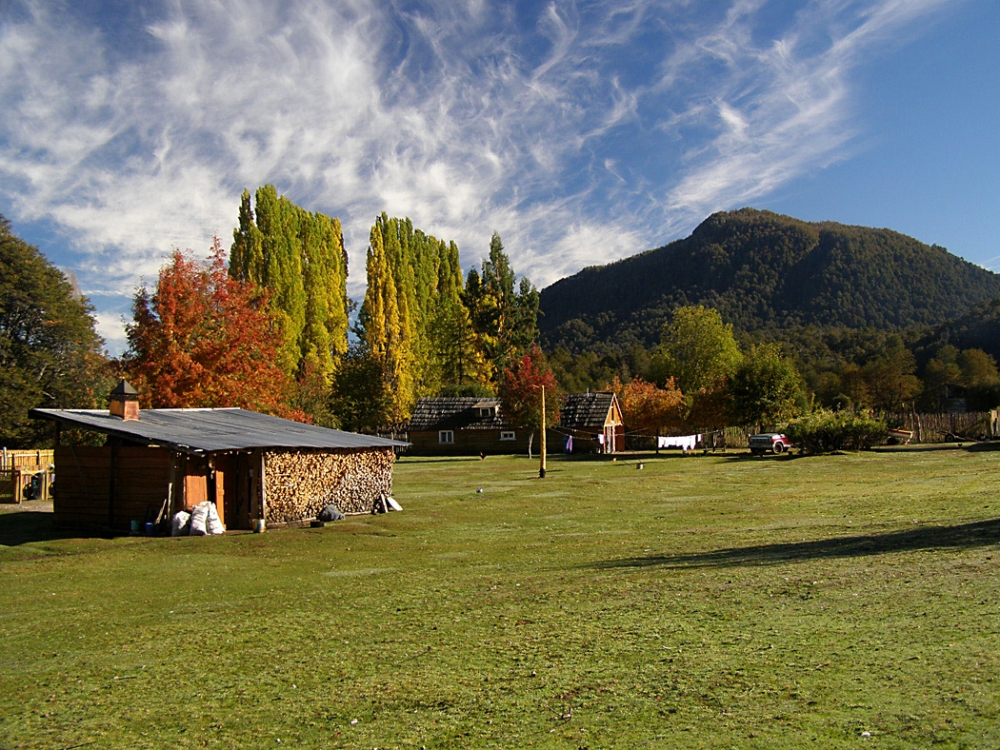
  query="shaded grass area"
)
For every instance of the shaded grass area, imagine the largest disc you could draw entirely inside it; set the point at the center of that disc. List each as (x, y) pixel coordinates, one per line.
(838, 601)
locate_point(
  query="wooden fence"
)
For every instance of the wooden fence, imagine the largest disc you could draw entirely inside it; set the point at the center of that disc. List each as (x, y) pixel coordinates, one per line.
(25, 475)
(940, 428)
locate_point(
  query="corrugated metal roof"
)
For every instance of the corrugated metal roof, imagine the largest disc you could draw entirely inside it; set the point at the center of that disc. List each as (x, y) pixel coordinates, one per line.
(213, 430)
(581, 410)
(456, 413)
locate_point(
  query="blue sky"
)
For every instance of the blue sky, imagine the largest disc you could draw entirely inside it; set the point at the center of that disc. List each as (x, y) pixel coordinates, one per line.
(582, 131)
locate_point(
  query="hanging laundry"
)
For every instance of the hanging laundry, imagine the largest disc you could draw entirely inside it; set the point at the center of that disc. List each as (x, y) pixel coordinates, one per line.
(684, 442)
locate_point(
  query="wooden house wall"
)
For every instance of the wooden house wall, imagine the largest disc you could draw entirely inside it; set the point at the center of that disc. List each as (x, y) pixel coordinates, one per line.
(469, 443)
(83, 484)
(299, 484)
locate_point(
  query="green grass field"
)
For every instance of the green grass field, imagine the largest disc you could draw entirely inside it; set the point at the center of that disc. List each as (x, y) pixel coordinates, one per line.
(703, 602)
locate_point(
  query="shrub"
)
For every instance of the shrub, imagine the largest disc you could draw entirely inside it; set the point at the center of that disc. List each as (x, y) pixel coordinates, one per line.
(824, 431)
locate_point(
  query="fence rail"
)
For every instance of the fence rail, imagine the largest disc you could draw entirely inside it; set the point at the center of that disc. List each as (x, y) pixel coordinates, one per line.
(939, 428)
(21, 459)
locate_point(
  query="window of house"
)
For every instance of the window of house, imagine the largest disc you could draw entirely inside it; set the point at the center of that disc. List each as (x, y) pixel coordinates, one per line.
(446, 436)
(487, 412)
(508, 435)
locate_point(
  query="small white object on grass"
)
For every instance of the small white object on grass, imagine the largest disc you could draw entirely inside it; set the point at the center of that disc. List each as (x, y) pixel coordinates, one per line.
(480, 490)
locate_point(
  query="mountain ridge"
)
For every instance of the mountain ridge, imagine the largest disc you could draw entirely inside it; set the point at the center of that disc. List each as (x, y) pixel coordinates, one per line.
(764, 270)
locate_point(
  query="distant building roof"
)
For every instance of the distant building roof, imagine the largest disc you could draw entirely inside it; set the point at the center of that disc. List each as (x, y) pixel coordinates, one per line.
(212, 430)
(457, 413)
(586, 410)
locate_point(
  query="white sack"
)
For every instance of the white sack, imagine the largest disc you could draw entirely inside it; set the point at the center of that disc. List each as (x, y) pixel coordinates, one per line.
(199, 519)
(180, 524)
(214, 524)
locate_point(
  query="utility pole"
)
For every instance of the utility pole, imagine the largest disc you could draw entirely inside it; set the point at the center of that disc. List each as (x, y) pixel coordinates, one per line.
(541, 468)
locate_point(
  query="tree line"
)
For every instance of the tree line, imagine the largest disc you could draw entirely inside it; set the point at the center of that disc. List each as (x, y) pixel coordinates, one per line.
(267, 324)
(421, 329)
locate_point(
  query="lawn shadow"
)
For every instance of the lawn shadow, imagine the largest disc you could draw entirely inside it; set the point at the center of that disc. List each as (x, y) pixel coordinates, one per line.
(30, 526)
(963, 536)
(436, 459)
(990, 445)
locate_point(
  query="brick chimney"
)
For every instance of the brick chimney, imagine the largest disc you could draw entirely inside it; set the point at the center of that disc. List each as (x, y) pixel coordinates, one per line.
(124, 401)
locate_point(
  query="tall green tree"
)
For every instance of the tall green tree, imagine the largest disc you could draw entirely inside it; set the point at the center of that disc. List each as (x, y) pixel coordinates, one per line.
(299, 258)
(505, 319)
(978, 369)
(890, 378)
(384, 334)
(765, 390)
(413, 320)
(359, 396)
(456, 348)
(696, 349)
(50, 353)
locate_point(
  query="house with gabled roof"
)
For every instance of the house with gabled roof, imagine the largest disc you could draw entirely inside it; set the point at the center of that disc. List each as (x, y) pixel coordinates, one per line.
(252, 466)
(593, 421)
(463, 426)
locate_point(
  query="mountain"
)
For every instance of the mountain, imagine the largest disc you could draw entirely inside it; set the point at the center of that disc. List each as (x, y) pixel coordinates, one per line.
(764, 271)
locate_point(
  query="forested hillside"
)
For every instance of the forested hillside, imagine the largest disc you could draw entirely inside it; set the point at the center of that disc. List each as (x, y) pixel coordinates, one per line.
(764, 271)
(977, 329)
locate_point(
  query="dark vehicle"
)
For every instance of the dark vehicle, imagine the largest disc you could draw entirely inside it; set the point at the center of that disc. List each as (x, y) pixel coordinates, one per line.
(769, 442)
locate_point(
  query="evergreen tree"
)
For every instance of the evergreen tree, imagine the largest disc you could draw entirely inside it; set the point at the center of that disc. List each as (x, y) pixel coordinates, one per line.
(890, 380)
(505, 320)
(50, 353)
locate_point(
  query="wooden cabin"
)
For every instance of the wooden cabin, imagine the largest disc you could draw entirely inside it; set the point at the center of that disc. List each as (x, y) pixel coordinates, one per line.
(251, 466)
(593, 421)
(463, 426)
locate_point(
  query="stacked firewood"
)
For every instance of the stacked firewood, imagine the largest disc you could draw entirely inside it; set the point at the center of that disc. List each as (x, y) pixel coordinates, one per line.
(299, 484)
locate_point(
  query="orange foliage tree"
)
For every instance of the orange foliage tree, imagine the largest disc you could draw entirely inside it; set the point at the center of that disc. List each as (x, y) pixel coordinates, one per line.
(649, 409)
(205, 339)
(521, 392)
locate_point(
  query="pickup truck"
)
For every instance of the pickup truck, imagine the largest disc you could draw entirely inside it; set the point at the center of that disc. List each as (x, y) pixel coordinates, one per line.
(769, 442)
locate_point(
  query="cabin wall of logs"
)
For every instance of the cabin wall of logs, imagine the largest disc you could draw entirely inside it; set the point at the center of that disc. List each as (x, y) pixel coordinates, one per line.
(299, 484)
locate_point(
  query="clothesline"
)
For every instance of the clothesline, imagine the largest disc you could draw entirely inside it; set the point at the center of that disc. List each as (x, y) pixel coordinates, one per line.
(684, 442)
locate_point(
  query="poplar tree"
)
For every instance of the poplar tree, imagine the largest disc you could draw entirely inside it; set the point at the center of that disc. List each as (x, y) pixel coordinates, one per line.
(299, 258)
(458, 356)
(382, 330)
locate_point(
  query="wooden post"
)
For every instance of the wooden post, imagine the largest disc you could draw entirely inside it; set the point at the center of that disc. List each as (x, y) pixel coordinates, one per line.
(111, 483)
(541, 468)
(261, 471)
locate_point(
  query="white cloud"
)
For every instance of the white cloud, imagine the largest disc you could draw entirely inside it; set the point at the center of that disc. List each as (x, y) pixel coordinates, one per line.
(466, 117)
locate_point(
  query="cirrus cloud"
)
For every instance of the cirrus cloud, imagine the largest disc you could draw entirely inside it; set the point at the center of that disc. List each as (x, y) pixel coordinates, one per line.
(582, 132)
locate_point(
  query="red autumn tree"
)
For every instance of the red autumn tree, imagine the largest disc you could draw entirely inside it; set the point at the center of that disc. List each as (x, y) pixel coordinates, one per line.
(649, 409)
(205, 339)
(521, 392)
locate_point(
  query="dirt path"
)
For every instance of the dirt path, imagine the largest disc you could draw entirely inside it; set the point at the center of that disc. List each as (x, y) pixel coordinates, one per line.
(38, 506)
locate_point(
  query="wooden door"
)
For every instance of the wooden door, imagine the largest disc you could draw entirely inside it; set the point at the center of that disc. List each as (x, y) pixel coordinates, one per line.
(227, 491)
